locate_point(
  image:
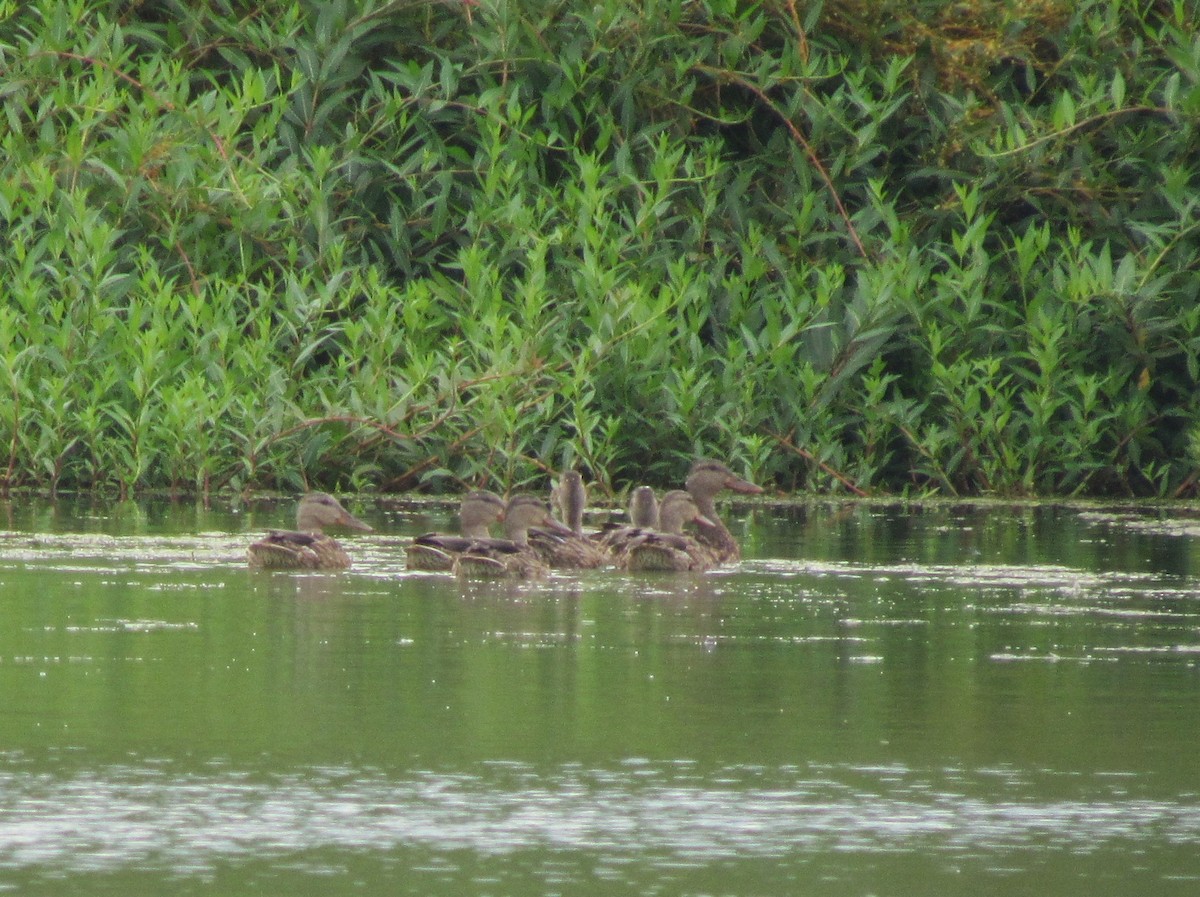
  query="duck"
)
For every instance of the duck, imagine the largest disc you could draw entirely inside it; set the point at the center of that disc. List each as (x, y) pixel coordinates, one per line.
(307, 547)
(705, 479)
(477, 513)
(668, 548)
(565, 546)
(568, 498)
(511, 557)
(643, 516)
(643, 508)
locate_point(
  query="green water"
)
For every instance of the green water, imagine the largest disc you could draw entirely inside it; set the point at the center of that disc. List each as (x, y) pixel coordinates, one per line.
(878, 700)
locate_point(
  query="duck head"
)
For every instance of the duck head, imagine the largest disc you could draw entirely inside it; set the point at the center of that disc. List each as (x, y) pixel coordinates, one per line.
(479, 510)
(678, 509)
(318, 510)
(707, 478)
(524, 512)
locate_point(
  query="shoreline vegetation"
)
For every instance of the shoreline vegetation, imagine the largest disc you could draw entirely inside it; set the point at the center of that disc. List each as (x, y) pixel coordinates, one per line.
(850, 248)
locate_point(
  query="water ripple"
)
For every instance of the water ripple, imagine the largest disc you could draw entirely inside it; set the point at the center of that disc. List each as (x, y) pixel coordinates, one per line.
(190, 823)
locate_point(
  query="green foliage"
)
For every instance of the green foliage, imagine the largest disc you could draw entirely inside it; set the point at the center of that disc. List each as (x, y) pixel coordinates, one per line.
(878, 247)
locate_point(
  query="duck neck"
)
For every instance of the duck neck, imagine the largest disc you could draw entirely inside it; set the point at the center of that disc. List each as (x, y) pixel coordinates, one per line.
(670, 519)
(669, 523)
(715, 534)
(475, 529)
(517, 532)
(572, 498)
(308, 523)
(477, 512)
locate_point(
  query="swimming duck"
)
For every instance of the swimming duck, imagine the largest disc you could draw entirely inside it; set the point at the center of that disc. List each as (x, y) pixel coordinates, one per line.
(307, 547)
(643, 508)
(478, 511)
(569, 499)
(565, 546)
(669, 548)
(643, 515)
(704, 481)
(512, 556)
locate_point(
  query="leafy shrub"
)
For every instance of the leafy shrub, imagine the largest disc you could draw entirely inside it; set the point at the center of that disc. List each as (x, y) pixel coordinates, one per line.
(845, 245)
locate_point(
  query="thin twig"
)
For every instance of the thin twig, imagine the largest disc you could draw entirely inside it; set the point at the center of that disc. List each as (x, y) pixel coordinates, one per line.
(786, 442)
(1112, 113)
(165, 103)
(801, 37)
(1188, 484)
(798, 136)
(308, 424)
(924, 452)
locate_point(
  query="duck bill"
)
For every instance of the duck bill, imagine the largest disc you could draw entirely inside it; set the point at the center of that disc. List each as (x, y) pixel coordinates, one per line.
(351, 522)
(744, 487)
(704, 521)
(556, 526)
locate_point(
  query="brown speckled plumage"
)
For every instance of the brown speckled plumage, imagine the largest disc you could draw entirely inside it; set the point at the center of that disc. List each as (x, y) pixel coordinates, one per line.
(307, 547)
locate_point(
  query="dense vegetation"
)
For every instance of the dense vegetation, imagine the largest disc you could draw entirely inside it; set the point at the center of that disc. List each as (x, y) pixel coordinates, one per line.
(855, 245)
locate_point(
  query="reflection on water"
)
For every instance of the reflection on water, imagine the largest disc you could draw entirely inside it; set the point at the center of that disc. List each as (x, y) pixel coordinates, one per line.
(877, 700)
(662, 814)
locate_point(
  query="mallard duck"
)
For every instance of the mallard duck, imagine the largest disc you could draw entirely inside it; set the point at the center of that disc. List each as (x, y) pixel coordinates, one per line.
(704, 481)
(669, 548)
(307, 547)
(569, 499)
(643, 516)
(643, 508)
(478, 511)
(512, 556)
(565, 546)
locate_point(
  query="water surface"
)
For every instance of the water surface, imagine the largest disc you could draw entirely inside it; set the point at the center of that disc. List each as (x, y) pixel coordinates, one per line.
(880, 699)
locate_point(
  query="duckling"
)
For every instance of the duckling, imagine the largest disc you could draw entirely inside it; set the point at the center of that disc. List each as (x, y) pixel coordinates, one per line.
(307, 547)
(670, 548)
(478, 511)
(705, 479)
(643, 515)
(513, 556)
(564, 545)
(643, 508)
